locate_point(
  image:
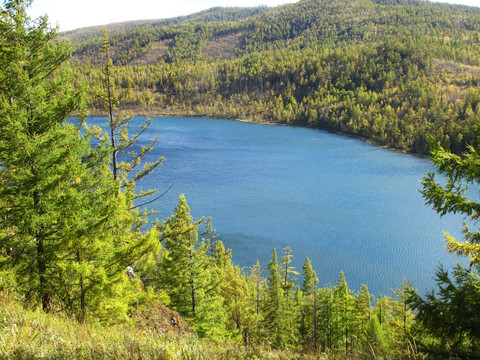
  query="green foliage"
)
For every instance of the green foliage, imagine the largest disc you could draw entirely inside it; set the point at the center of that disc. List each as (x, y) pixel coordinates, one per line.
(184, 263)
(120, 139)
(66, 231)
(453, 197)
(377, 338)
(309, 325)
(451, 314)
(189, 277)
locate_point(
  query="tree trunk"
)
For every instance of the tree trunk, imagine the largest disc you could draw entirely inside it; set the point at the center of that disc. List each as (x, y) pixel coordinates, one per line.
(192, 283)
(315, 318)
(41, 261)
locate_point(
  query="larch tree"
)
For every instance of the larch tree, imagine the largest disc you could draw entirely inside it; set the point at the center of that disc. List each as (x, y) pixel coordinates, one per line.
(273, 301)
(36, 151)
(309, 330)
(65, 234)
(189, 277)
(182, 264)
(288, 282)
(126, 155)
(343, 312)
(461, 172)
(326, 317)
(451, 312)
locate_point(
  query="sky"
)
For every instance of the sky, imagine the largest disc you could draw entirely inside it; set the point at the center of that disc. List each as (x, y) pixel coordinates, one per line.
(73, 14)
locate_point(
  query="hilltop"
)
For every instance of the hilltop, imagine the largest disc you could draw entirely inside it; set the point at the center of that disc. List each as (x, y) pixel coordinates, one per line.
(308, 23)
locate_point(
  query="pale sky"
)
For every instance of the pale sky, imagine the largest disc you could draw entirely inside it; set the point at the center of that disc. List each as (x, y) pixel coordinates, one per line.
(69, 14)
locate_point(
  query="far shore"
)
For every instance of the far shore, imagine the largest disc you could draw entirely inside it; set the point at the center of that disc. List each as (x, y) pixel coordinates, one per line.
(188, 113)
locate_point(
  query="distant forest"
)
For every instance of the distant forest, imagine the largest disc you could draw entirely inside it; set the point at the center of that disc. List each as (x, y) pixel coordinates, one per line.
(393, 72)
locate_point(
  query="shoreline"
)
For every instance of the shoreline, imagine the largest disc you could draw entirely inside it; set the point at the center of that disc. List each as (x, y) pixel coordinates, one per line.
(187, 113)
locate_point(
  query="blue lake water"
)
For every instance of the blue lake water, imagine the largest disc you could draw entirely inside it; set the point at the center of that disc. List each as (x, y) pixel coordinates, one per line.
(346, 204)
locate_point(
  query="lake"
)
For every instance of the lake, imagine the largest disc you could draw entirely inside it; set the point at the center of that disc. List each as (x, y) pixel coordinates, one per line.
(346, 204)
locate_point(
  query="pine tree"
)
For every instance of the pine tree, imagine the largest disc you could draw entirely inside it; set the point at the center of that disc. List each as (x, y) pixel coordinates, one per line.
(238, 293)
(259, 284)
(280, 310)
(288, 281)
(451, 312)
(402, 318)
(363, 310)
(183, 265)
(190, 278)
(326, 317)
(376, 335)
(211, 238)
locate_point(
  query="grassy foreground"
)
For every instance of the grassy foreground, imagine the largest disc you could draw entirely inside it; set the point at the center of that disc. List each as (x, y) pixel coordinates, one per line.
(29, 333)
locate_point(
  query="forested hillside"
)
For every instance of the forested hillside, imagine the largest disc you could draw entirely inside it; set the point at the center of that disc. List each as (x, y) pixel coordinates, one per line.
(389, 71)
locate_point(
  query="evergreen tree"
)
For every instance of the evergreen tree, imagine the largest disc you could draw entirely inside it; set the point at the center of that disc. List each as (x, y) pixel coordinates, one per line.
(343, 314)
(124, 170)
(451, 313)
(259, 284)
(238, 293)
(273, 301)
(363, 310)
(309, 329)
(189, 277)
(68, 234)
(211, 238)
(288, 282)
(326, 317)
(184, 263)
(402, 319)
(376, 334)
(453, 197)
(34, 148)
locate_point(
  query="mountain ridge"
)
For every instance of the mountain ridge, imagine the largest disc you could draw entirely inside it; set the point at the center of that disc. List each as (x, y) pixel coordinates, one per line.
(303, 24)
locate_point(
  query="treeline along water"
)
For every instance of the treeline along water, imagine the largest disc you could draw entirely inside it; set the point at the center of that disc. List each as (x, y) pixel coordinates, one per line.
(348, 205)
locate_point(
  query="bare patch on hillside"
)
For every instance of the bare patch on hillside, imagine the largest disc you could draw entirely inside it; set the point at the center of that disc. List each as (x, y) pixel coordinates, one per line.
(157, 52)
(457, 78)
(224, 46)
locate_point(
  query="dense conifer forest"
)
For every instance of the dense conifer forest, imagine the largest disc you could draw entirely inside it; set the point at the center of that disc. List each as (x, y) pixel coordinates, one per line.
(85, 271)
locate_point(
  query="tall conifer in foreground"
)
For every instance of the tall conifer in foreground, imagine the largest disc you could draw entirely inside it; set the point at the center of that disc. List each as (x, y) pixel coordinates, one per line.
(65, 235)
(35, 150)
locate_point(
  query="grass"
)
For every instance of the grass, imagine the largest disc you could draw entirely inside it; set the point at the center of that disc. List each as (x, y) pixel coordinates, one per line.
(29, 333)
